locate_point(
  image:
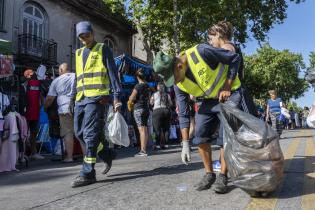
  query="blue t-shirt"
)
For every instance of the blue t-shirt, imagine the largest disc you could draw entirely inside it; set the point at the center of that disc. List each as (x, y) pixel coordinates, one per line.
(274, 105)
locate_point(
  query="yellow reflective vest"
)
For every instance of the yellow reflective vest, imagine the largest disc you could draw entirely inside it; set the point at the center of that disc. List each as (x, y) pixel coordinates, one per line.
(209, 82)
(92, 79)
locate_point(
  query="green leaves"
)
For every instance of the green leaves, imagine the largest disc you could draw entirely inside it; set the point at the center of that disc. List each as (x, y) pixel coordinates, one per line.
(274, 69)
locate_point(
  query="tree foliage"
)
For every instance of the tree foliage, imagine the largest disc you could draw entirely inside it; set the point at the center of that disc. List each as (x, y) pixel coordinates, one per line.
(312, 60)
(193, 18)
(270, 69)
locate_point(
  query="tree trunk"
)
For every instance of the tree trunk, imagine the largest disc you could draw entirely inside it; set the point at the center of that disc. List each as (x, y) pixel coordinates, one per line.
(175, 27)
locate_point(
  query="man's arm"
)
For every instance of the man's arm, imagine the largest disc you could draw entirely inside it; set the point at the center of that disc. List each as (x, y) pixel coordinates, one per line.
(227, 56)
(48, 102)
(182, 100)
(109, 62)
(52, 94)
(219, 55)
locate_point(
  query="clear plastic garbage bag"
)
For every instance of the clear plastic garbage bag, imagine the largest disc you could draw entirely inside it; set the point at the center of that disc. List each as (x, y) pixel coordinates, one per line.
(310, 120)
(251, 150)
(118, 130)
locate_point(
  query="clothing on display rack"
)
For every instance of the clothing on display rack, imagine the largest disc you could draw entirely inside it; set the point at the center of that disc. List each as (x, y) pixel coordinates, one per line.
(41, 72)
(6, 66)
(12, 144)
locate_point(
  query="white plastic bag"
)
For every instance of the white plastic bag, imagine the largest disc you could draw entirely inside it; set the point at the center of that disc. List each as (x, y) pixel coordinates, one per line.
(311, 117)
(285, 112)
(118, 130)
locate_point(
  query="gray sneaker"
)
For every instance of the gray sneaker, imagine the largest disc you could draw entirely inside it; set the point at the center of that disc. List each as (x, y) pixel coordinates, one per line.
(141, 154)
(220, 185)
(206, 182)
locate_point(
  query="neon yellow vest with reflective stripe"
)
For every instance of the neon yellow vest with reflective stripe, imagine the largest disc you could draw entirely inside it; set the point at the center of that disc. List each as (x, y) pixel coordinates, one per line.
(209, 81)
(92, 79)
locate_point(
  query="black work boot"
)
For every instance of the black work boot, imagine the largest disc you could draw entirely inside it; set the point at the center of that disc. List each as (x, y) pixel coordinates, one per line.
(220, 185)
(81, 181)
(206, 182)
(109, 161)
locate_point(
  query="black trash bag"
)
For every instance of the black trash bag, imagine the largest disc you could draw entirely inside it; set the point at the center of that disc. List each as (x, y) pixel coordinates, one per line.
(251, 151)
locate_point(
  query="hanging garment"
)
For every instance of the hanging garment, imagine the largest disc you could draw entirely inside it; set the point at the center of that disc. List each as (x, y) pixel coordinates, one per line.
(23, 127)
(6, 67)
(33, 100)
(41, 72)
(11, 131)
(4, 103)
(8, 150)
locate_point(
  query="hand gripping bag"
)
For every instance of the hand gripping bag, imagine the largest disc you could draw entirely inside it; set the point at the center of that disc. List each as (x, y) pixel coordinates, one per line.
(251, 151)
(118, 130)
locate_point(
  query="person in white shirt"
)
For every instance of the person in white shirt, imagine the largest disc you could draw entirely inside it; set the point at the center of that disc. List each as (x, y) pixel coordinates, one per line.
(64, 88)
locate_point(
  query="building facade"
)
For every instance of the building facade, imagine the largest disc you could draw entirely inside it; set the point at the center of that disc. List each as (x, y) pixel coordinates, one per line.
(43, 31)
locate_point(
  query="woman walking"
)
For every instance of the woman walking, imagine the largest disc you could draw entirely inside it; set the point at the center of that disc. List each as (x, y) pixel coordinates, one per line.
(161, 102)
(139, 102)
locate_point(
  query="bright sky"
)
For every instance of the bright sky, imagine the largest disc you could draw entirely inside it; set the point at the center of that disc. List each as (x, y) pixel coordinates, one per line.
(297, 34)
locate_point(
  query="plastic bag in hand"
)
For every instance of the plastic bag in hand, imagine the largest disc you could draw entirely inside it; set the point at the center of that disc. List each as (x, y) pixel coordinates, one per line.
(118, 130)
(251, 151)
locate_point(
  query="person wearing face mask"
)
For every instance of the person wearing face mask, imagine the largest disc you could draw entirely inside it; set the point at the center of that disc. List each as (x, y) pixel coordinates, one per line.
(208, 73)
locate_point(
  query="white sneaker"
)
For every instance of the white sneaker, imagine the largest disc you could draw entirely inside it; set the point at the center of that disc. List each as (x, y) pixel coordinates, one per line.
(37, 157)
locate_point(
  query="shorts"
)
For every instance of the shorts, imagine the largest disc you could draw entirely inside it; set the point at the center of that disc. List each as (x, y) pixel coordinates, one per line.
(208, 123)
(141, 117)
(66, 126)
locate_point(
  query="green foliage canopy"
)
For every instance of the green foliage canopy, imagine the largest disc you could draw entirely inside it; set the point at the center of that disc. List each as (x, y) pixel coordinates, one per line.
(270, 69)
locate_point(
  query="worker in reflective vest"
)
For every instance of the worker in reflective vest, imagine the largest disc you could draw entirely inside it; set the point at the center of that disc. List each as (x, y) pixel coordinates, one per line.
(209, 74)
(96, 76)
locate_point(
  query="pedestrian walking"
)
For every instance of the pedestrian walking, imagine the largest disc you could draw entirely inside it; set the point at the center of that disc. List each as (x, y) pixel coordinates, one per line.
(273, 111)
(161, 102)
(96, 77)
(140, 98)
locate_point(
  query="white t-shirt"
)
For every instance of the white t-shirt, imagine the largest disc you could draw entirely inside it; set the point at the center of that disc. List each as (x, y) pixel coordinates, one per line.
(157, 103)
(4, 103)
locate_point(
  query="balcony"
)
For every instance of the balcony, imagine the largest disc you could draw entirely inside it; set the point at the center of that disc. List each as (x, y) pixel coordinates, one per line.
(34, 49)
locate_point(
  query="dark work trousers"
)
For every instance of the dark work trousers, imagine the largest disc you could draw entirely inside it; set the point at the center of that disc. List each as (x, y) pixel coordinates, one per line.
(161, 119)
(89, 129)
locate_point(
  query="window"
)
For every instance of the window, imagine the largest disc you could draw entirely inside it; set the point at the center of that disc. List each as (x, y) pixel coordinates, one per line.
(33, 21)
(2, 14)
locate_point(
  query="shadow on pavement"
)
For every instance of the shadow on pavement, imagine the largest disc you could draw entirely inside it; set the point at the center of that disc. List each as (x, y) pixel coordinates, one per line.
(295, 178)
(164, 170)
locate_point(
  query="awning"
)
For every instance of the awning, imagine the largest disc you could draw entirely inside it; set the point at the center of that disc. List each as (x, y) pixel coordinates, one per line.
(5, 47)
(133, 63)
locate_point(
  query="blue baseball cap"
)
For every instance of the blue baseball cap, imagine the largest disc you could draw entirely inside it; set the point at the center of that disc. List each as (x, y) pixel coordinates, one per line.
(83, 27)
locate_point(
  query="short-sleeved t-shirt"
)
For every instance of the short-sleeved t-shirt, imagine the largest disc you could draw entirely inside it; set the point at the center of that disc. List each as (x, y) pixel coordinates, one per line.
(143, 96)
(159, 102)
(64, 88)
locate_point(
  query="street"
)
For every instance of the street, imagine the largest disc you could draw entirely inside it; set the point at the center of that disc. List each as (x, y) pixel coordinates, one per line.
(159, 181)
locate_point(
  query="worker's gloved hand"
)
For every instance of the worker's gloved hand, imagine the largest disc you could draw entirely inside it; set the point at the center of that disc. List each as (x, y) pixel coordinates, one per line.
(185, 152)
